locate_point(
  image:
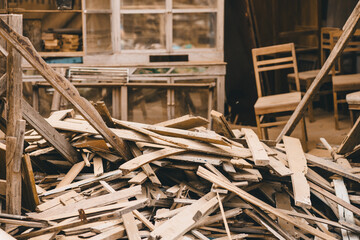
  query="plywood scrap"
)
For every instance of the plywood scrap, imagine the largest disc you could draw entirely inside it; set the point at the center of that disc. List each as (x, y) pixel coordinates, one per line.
(298, 165)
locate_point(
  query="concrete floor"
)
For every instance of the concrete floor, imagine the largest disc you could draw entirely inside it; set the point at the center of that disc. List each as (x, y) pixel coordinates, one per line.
(323, 126)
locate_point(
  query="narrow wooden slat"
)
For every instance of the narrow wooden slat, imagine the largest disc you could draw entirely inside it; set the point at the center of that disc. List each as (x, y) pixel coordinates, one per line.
(98, 166)
(298, 165)
(71, 174)
(351, 139)
(259, 154)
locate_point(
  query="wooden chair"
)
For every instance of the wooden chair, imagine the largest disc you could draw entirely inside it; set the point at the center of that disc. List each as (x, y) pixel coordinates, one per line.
(283, 57)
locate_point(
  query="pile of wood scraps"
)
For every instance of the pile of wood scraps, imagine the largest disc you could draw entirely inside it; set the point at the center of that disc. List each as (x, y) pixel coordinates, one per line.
(183, 182)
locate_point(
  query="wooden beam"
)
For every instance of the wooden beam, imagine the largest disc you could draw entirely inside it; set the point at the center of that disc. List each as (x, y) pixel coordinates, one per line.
(297, 164)
(202, 172)
(63, 86)
(71, 174)
(348, 30)
(3, 80)
(49, 133)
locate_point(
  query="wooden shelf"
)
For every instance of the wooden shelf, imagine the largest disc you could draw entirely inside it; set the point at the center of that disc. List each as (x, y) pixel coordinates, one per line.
(62, 54)
(17, 10)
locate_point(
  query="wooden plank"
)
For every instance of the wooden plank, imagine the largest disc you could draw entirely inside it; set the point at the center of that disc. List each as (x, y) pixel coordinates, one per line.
(105, 217)
(56, 201)
(5, 236)
(348, 30)
(259, 154)
(332, 167)
(29, 182)
(63, 86)
(144, 220)
(183, 221)
(336, 199)
(351, 139)
(55, 139)
(112, 234)
(98, 166)
(104, 113)
(130, 226)
(220, 120)
(223, 216)
(185, 122)
(283, 202)
(137, 162)
(279, 167)
(202, 172)
(297, 163)
(71, 174)
(344, 214)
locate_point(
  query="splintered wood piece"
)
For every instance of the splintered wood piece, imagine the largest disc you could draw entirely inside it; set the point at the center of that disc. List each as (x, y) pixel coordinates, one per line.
(332, 167)
(298, 165)
(98, 166)
(29, 181)
(147, 169)
(149, 157)
(184, 122)
(279, 167)
(63, 86)
(86, 159)
(223, 215)
(104, 113)
(130, 226)
(283, 202)
(183, 221)
(104, 217)
(5, 236)
(259, 154)
(202, 172)
(56, 201)
(336, 199)
(144, 220)
(71, 174)
(351, 139)
(344, 214)
(220, 120)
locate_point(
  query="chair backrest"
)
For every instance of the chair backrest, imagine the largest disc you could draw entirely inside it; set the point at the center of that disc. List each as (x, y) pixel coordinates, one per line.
(282, 57)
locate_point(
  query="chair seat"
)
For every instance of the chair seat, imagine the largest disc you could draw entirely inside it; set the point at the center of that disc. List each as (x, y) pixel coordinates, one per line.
(346, 82)
(277, 103)
(353, 98)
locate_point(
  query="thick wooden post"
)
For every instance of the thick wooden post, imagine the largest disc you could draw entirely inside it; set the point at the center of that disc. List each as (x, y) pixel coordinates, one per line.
(15, 125)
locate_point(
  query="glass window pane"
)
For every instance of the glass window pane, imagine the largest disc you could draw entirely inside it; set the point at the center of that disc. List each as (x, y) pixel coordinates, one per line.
(97, 4)
(98, 33)
(142, 4)
(194, 3)
(142, 31)
(194, 30)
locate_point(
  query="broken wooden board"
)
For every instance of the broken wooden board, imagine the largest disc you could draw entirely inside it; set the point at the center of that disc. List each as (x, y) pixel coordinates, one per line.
(258, 152)
(298, 165)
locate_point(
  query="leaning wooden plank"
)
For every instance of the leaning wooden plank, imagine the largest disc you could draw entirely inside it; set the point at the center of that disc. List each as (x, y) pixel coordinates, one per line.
(98, 166)
(104, 113)
(144, 220)
(71, 174)
(137, 162)
(348, 30)
(104, 217)
(351, 140)
(344, 214)
(279, 167)
(259, 154)
(29, 183)
(332, 167)
(63, 86)
(82, 182)
(185, 122)
(336, 199)
(202, 172)
(297, 164)
(193, 145)
(57, 140)
(182, 222)
(220, 120)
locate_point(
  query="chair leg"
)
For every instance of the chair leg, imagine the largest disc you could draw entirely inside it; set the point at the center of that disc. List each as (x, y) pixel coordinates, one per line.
(304, 136)
(258, 126)
(336, 111)
(266, 133)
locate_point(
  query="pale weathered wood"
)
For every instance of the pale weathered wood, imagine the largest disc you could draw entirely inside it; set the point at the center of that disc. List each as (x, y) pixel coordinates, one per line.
(98, 166)
(259, 154)
(55, 139)
(5, 236)
(348, 30)
(130, 226)
(298, 165)
(351, 139)
(71, 174)
(137, 162)
(202, 172)
(220, 120)
(61, 84)
(185, 122)
(283, 202)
